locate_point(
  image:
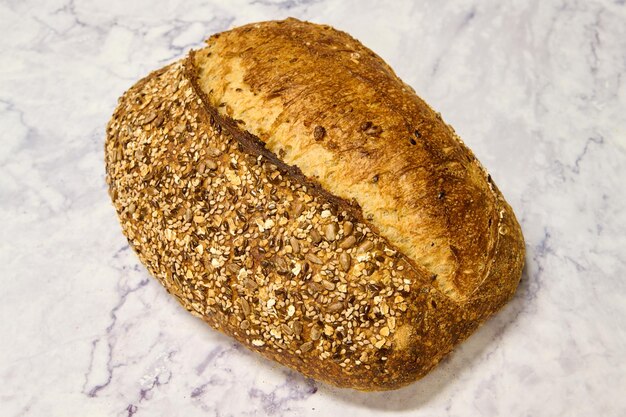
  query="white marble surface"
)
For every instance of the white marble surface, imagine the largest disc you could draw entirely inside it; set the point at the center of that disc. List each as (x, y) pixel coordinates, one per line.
(536, 88)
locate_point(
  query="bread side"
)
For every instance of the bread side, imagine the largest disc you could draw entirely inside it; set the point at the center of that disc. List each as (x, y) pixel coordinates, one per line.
(324, 102)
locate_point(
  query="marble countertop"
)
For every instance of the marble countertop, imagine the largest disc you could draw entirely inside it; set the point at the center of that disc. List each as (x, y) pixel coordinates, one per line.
(535, 88)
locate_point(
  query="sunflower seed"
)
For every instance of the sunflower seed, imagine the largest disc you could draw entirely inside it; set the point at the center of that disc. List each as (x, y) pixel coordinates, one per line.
(348, 242)
(244, 306)
(330, 231)
(365, 246)
(328, 285)
(348, 227)
(286, 329)
(295, 246)
(211, 165)
(315, 236)
(335, 307)
(344, 261)
(297, 328)
(316, 333)
(314, 259)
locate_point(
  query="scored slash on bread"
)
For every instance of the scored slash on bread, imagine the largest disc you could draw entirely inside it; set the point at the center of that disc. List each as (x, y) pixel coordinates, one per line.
(292, 192)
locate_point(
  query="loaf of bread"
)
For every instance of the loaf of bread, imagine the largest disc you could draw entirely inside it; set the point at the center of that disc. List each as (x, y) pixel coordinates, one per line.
(291, 191)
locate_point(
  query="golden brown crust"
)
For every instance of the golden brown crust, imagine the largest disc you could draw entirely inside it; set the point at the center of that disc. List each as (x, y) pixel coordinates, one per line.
(335, 109)
(261, 252)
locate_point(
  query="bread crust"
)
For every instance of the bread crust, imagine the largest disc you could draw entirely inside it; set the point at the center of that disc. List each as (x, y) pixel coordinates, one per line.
(228, 226)
(377, 142)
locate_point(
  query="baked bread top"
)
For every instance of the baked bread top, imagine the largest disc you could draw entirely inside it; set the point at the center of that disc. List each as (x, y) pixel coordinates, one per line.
(322, 101)
(292, 192)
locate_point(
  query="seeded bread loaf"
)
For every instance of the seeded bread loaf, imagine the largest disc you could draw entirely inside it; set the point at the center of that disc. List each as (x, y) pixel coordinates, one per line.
(290, 190)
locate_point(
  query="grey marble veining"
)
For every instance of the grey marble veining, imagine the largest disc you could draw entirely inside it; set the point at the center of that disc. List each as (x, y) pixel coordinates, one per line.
(535, 88)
